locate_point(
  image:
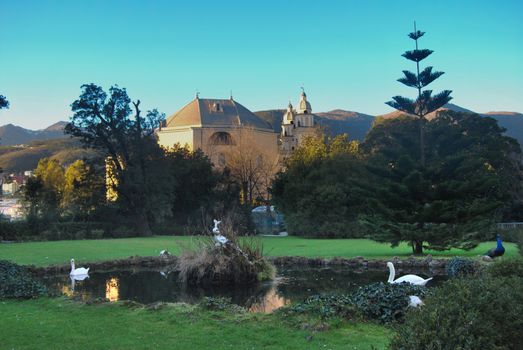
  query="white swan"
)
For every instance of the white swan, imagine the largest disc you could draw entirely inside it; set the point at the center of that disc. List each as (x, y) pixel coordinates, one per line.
(218, 237)
(215, 229)
(412, 279)
(415, 301)
(78, 272)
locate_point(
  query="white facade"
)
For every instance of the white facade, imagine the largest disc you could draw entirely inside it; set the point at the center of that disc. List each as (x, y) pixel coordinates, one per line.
(296, 125)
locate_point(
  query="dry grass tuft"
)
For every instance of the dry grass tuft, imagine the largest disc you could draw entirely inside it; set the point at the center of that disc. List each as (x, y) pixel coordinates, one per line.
(236, 262)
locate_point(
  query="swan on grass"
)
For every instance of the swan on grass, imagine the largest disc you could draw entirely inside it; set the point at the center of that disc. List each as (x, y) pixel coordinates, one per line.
(412, 279)
(79, 272)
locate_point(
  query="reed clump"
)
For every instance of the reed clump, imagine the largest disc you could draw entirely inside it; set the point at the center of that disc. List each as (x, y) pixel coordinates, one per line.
(239, 261)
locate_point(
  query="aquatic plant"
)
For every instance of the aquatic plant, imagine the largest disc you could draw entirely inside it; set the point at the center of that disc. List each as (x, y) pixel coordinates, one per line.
(239, 261)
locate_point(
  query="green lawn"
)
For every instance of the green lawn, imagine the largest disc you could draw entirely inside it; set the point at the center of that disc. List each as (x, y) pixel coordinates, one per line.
(59, 252)
(63, 324)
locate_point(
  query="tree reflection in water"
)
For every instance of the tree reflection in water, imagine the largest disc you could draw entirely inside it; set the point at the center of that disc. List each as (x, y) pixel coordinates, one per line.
(291, 284)
(111, 289)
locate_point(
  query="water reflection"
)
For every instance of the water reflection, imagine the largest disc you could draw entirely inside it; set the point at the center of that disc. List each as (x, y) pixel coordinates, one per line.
(291, 285)
(111, 289)
(270, 302)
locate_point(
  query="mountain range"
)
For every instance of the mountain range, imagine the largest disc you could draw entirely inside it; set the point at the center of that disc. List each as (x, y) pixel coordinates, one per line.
(356, 124)
(15, 135)
(20, 148)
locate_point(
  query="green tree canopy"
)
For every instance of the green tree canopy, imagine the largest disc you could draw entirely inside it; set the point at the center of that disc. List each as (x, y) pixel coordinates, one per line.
(425, 102)
(319, 190)
(3, 102)
(108, 122)
(471, 172)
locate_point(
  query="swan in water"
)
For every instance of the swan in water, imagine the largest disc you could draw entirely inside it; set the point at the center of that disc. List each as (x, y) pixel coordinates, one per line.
(75, 278)
(412, 279)
(79, 272)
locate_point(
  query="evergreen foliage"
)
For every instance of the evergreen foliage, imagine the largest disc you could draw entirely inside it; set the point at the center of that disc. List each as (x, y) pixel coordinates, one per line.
(472, 171)
(425, 103)
(469, 313)
(16, 282)
(4, 103)
(107, 122)
(319, 191)
(386, 302)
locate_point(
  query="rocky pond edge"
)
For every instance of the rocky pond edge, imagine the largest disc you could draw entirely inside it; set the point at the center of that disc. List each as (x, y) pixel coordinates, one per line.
(426, 262)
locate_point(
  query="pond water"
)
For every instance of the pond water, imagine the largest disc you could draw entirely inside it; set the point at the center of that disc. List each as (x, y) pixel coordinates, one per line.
(291, 284)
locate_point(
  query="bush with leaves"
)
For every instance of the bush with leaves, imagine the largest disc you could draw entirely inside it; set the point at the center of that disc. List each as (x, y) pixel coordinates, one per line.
(459, 267)
(323, 305)
(386, 302)
(467, 314)
(220, 304)
(16, 282)
(506, 268)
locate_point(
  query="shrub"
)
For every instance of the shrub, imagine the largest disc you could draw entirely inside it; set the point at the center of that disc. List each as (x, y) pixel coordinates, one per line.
(506, 268)
(386, 302)
(73, 231)
(513, 235)
(17, 231)
(233, 263)
(323, 305)
(16, 282)
(459, 267)
(220, 304)
(467, 314)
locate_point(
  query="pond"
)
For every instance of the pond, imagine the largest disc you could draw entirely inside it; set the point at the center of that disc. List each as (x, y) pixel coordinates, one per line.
(291, 284)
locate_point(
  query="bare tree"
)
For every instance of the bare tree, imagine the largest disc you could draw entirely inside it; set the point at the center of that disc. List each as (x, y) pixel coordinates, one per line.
(252, 167)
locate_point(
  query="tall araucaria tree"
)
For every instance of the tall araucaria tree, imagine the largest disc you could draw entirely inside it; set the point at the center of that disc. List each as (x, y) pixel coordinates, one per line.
(3, 102)
(425, 103)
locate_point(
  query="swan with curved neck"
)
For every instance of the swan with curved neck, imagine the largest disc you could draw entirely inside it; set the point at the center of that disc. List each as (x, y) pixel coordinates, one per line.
(81, 271)
(412, 279)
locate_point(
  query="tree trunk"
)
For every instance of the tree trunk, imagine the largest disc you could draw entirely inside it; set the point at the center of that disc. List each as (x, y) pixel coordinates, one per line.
(422, 141)
(417, 247)
(142, 224)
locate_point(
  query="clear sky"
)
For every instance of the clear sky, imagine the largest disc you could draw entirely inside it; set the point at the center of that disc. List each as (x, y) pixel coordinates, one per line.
(346, 53)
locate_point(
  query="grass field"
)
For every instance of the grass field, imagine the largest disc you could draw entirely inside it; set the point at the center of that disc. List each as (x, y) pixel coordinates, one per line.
(59, 252)
(64, 324)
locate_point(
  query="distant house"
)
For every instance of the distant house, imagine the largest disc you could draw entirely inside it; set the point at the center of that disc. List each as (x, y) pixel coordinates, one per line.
(10, 188)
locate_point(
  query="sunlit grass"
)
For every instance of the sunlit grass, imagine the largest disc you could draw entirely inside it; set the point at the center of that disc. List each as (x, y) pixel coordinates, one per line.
(59, 252)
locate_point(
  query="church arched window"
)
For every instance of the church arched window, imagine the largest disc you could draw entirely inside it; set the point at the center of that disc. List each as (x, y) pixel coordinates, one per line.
(221, 138)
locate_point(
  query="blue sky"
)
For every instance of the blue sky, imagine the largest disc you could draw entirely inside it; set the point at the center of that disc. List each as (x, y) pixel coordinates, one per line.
(347, 54)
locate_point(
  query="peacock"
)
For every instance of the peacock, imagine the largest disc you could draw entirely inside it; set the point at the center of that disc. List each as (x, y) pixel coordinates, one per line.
(499, 250)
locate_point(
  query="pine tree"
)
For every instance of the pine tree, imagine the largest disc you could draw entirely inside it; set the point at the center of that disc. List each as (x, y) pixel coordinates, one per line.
(425, 103)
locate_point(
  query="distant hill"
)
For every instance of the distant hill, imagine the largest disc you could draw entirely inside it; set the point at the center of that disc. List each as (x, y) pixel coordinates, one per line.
(273, 117)
(335, 122)
(512, 121)
(338, 121)
(20, 158)
(15, 135)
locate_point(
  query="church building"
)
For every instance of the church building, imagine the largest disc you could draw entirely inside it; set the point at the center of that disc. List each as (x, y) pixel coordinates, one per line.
(296, 125)
(220, 127)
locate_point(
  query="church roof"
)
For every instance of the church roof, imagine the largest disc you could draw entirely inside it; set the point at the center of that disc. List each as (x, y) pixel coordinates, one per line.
(215, 113)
